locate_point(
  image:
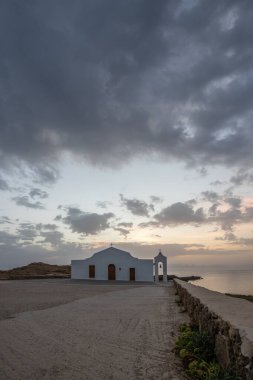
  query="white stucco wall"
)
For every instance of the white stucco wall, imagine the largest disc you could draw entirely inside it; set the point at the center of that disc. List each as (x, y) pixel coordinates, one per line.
(122, 261)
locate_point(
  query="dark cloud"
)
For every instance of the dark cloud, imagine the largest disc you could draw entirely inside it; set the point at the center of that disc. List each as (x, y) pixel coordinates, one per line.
(203, 171)
(125, 224)
(156, 199)
(231, 238)
(227, 219)
(151, 224)
(234, 202)
(216, 183)
(124, 228)
(48, 233)
(7, 239)
(45, 174)
(190, 213)
(229, 192)
(248, 214)
(47, 226)
(123, 231)
(87, 223)
(136, 206)
(178, 214)
(54, 238)
(27, 231)
(232, 215)
(103, 204)
(30, 199)
(26, 202)
(5, 220)
(241, 177)
(246, 241)
(228, 236)
(212, 211)
(4, 185)
(191, 202)
(38, 193)
(112, 80)
(210, 196)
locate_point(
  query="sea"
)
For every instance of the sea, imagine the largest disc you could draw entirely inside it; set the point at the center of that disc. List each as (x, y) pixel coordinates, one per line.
(235, 281)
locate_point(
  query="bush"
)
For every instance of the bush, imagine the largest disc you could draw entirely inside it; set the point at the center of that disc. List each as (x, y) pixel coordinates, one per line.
(196, 349)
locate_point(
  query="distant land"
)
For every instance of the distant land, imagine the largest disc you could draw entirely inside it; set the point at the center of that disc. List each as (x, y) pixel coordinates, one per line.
(36, 270)
(44, 270)
(248, 298)
(171, 277)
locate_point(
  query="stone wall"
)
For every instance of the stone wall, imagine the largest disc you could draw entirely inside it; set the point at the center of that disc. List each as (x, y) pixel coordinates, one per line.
(229, 320)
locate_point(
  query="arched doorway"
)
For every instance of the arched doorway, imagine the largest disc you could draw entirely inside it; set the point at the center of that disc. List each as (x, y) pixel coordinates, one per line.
(111, 272)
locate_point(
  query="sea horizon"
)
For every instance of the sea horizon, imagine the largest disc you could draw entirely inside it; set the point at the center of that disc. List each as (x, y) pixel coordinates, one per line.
(220, 279)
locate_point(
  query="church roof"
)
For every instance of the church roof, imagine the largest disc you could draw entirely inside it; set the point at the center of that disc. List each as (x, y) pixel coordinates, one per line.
(112, 250)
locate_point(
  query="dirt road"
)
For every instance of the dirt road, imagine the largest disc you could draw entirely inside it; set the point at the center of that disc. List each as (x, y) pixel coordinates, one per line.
(120, 333)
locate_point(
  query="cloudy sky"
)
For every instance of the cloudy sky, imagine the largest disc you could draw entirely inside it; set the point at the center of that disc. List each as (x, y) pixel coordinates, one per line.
(127, 122)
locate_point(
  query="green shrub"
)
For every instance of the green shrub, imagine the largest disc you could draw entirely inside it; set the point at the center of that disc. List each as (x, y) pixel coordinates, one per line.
(196, 349)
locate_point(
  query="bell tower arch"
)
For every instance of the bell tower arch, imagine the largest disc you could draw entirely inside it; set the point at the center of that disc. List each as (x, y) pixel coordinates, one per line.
(160, 258)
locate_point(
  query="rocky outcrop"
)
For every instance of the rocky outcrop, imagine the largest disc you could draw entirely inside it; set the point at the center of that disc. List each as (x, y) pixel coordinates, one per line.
(228, 320)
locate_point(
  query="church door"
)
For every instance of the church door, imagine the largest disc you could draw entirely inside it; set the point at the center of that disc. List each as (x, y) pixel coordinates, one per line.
(132, 274)
(91, 271)
(111, 272)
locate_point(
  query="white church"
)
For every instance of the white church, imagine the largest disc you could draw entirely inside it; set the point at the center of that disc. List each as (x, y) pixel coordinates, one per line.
(115, 264)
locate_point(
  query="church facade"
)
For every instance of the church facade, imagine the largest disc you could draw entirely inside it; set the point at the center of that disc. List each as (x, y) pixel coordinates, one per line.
(113, 264)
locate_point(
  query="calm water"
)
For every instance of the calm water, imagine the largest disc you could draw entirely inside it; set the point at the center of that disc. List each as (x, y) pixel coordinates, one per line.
(224, 281)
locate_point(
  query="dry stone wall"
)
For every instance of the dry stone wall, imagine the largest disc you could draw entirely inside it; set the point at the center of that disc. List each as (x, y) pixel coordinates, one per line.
(229, 320)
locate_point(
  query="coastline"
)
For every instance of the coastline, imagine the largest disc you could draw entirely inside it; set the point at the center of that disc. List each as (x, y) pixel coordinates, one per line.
(245, 297)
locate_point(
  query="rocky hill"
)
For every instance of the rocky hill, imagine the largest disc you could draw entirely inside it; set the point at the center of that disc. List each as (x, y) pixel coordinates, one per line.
(36, 270)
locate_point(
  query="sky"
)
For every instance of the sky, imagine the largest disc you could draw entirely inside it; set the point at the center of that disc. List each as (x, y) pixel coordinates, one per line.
(126, 122)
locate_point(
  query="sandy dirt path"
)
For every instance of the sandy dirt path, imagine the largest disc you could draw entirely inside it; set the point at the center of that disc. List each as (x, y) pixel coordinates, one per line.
(120, 335)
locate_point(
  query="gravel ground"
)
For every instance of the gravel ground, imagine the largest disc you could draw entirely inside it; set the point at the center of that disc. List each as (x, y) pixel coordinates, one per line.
(85, 331)
(30, 295)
